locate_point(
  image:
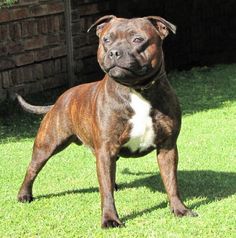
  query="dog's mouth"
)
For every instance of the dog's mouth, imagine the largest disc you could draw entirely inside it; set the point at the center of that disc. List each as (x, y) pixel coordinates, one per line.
(130, 78)
(118, 72)
(123, 73)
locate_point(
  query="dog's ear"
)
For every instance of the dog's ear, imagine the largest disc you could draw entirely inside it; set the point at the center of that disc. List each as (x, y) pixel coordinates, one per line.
(100, 23)
(163, 26)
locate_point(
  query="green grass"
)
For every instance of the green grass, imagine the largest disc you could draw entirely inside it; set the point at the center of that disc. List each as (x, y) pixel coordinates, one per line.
(67, 200)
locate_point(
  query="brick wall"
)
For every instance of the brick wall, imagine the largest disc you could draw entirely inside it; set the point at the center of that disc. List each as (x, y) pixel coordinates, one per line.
(84, 14)
(32, 47)
(45, 45)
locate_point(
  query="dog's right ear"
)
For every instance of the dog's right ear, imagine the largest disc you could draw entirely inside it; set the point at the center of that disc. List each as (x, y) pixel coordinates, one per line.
(100, 23)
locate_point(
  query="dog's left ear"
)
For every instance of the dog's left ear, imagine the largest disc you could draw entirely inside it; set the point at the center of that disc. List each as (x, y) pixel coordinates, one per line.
(100, 23)
(163, 26)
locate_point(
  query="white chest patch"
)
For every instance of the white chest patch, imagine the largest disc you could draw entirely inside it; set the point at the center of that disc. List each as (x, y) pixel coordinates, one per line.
(142, 133)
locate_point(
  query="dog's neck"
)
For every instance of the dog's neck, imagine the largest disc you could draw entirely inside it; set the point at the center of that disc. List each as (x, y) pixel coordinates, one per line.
(150, 82)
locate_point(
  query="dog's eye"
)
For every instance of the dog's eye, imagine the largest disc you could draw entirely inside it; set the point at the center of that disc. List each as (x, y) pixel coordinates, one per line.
(138, 40)
(106, 40)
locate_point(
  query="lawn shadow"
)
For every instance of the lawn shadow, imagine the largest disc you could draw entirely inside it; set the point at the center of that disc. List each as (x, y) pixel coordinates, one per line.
(16, 124)
(205, 184)
(65, 193)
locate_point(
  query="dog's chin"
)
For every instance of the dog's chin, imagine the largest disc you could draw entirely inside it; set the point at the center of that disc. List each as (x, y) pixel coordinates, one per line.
(120, 74)
(129, 78)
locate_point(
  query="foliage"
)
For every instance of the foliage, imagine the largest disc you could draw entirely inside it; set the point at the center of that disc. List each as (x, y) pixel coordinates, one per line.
(67, 200)
(7, 2)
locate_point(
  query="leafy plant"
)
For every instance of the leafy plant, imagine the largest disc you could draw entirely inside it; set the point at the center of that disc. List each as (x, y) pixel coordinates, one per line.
(7, 2)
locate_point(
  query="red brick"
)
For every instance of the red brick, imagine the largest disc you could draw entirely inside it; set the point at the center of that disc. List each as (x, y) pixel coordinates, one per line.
(6, 63)
(62, 36)
(19, 13)
(62, 22)
(50, 24)
(27, 2)
(38, 10)
(57, 64)
(59, 51)
(54, 82)
(47, 9)
(86, 22)
(75, 28)
(3, 50)
(53, 40)
(15, 31)
(56, 8)
(13, 76)
(56, 23)
(24, 59)
(29, 28)
(38, 71)
(20, 75)
(42, 25)
(14, 47)
(91, 9)
(48, 68)
(86, 51)
(75, 15)
(43, 54)
(5, 15)
(64, 64)
(4, 32)
(34, 43)
(28, 73)
(79, 40)
(53, 23)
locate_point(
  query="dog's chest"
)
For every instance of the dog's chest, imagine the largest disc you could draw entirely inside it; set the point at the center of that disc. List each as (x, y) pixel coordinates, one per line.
(142, 134)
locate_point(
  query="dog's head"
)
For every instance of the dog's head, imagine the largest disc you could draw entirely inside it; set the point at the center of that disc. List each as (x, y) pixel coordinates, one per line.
(130, 50)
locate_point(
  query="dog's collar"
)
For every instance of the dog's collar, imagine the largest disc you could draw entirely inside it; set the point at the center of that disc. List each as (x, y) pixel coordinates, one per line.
(157, 76)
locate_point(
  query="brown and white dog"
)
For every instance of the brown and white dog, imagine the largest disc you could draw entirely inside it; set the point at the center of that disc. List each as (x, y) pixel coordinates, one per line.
(132, 111)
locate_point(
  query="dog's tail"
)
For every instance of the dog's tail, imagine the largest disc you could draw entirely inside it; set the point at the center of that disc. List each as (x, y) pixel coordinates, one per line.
(31, 108)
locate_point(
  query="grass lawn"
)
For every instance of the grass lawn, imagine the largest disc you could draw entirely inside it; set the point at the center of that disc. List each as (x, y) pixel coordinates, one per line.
(67, 200)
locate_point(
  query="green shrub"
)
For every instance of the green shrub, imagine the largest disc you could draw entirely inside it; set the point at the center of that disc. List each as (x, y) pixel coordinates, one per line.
(6, 2)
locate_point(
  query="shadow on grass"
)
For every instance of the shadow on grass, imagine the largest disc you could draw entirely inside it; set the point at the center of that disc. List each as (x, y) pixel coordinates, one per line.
(205, 184)
(198, 89)
(16, 124)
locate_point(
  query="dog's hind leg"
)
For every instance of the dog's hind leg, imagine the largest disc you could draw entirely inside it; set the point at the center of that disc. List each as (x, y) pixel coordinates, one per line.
(52, 137)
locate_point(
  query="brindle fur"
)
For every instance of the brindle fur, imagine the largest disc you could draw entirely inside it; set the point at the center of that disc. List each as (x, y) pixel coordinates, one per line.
(97, 114)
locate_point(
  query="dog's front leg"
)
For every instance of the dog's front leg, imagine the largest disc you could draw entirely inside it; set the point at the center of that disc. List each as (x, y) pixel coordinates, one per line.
(168, 162)
(106, 169)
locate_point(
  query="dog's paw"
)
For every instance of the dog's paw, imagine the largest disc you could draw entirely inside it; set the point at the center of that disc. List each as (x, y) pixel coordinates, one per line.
(180, 212)
(25, 198)
(110, 223)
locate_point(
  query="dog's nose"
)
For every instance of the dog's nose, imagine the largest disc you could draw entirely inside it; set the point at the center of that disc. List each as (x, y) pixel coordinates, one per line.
(115, 54)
